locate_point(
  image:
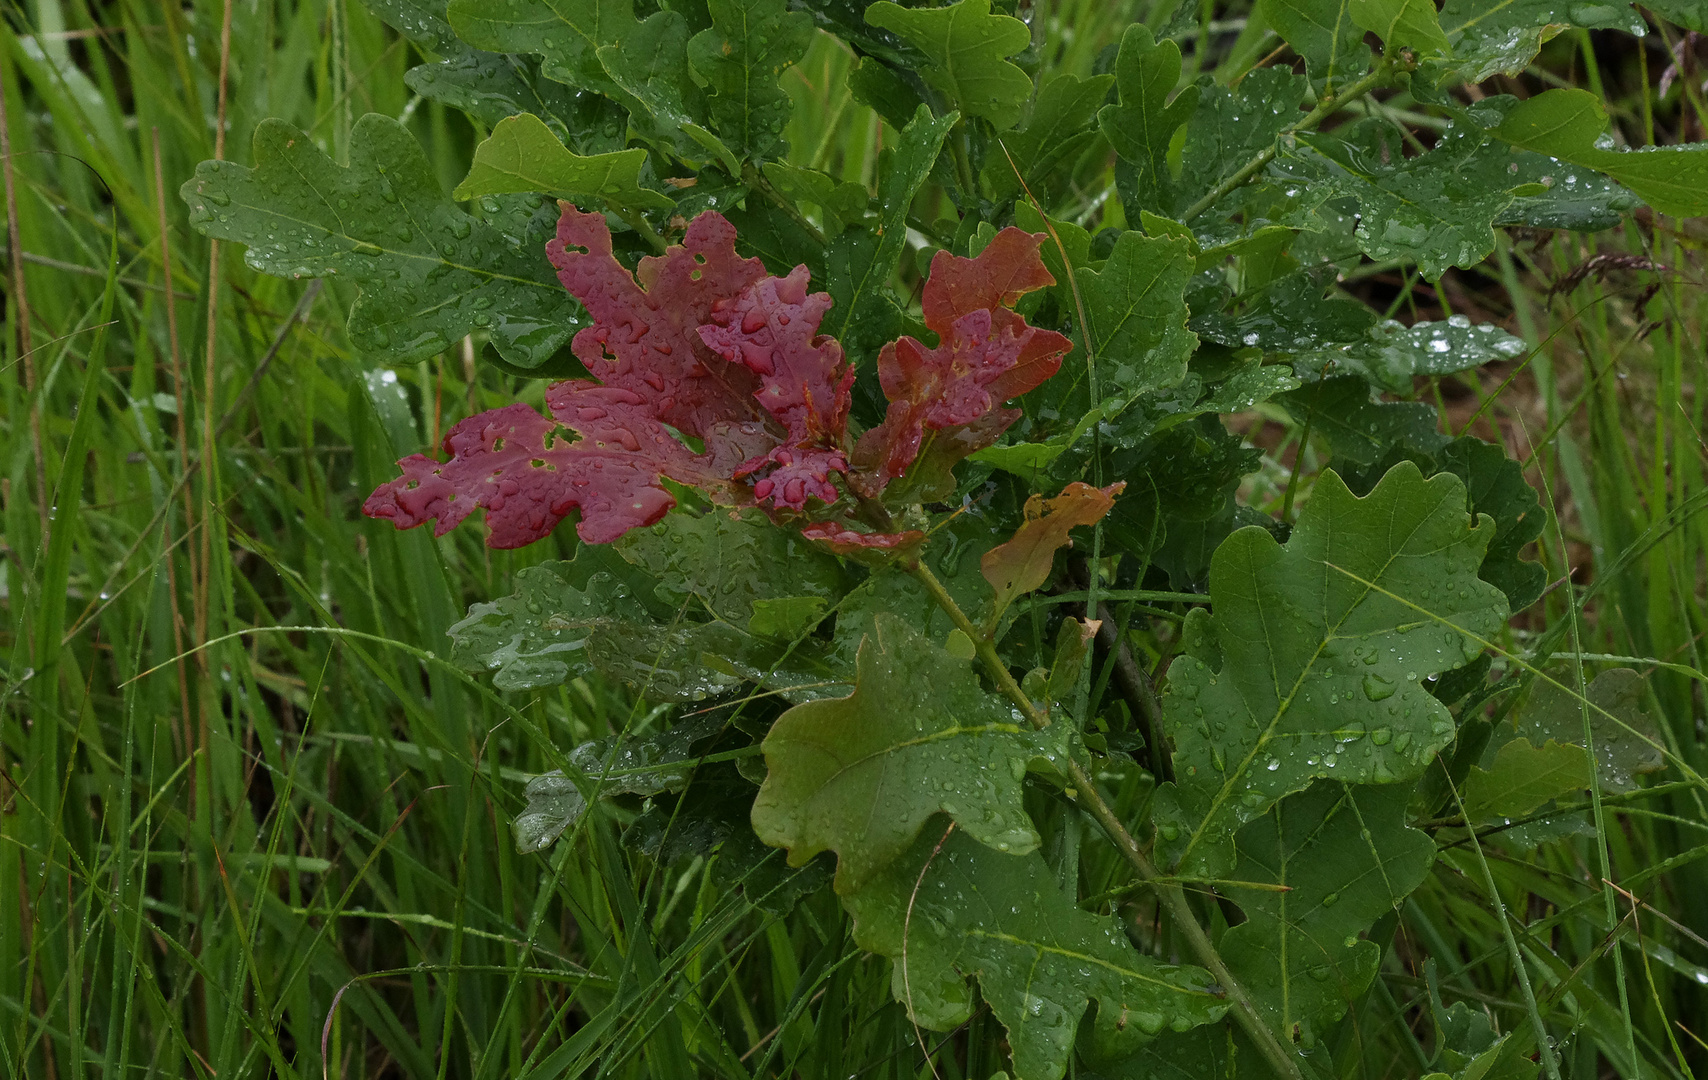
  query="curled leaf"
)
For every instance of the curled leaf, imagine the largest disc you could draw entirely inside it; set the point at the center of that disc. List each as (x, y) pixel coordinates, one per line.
(772, 330)
(1022, 564)
(698, 340)
(645, 332)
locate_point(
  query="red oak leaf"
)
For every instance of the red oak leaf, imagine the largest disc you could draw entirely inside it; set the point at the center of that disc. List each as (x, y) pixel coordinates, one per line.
(771, 328)
(702, 342)
(644, 335)
(653, 369)
(519, 467)
(986, 354)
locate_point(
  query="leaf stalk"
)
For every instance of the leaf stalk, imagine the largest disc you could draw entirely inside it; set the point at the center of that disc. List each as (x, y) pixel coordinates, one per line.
(1169, 891)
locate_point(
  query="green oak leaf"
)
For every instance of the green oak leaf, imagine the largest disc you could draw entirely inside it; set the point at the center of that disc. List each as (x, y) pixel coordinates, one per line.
(1232, 126)
(787, 617)
(1582, 201)
(959, 542)
(1347, 858)
(429, 274)
(1496, 486)
(741, 56)
(487, 86)
(967, 48)
(1690, 14)
(950, 909)
(1627, 743)
(564, 622)
(843, 202)
(615, 765)
(1314, 663)
(1522, 777)
(1322, 868)
(1055, 132)
(522, 154)
(1503, 38)
(1566, 124)
(1358, 428)
(1182, 475)
(1407, 24)
(537, 636)
(860, 775)
(765, 230)
(1141, 126)
(566, 34)
(1324, 33)
(861, 263)
(1028, 459)
(1223, 1051)
(1137, 309)
(1290, 314)
(1075, 243)
(649, 64)
(730, 562)
(1390, 354)
(1466, 1045)
(599, 45)
(877, 85)
(1436, 209)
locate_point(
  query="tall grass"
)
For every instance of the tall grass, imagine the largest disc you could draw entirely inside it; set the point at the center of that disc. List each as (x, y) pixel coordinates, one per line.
(252, 824)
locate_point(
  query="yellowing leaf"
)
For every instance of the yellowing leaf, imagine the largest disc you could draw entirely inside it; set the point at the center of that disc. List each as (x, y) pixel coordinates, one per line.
(1022, 564)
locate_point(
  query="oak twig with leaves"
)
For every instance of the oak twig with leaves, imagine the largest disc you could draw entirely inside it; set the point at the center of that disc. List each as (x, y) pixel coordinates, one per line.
(828, 449)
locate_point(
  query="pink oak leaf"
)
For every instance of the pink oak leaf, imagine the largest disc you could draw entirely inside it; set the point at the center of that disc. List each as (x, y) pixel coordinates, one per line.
(524, 471)
(864, 546)
(644, 334)
(771, 328)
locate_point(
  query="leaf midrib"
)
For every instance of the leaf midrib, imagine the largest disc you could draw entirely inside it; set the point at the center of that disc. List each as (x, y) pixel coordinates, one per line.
(1263, 740)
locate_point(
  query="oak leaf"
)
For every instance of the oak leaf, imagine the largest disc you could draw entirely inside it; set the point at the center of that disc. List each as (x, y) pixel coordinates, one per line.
(986, 354)
(1022, 564)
